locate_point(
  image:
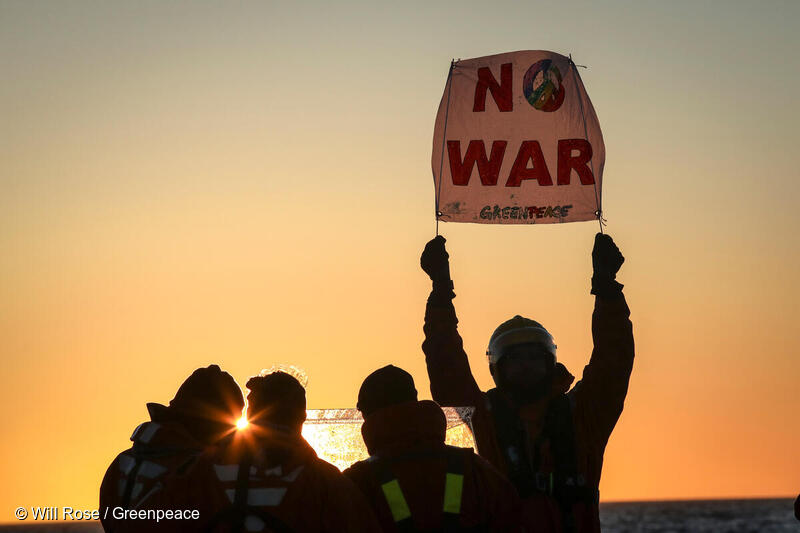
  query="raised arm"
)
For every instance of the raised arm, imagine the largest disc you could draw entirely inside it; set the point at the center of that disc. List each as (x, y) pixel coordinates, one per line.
(451, 379)
(602, 390)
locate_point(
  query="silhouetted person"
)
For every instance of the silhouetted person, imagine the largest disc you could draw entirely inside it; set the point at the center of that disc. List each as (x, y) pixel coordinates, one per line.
(548, 439)
(166, 449)
(412, 480)
(268, 478)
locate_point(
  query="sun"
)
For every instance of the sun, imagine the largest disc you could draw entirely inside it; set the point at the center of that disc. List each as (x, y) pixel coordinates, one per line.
(242, 423)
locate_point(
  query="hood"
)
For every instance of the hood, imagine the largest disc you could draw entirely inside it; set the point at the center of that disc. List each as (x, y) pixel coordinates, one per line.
(403, 425)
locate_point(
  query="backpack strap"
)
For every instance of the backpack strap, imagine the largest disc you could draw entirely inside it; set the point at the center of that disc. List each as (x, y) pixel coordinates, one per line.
(567, 486)
(453, 488)
(392, 493)
(238, 514)
(511, 440)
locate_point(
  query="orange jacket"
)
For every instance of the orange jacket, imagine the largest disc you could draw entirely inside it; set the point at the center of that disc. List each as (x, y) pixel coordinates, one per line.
(595, 403)
(288, 487)
(408, 439)
(143, 477)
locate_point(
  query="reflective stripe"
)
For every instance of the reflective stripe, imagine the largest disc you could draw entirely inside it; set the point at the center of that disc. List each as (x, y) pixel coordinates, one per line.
(266, 497)
(292, 476)
(151, 470)
(126, 463)
(453, 488)
(253, 523)
(396, 500)
(226, 472)
(157, 487)
(277, 471)
(135, 431)
(149, 432)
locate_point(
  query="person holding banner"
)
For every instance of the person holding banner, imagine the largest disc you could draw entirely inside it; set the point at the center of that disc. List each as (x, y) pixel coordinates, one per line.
(547, 438)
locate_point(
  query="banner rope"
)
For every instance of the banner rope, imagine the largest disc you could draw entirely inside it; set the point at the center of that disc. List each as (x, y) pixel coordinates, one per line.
(444, 141)
(599, 212)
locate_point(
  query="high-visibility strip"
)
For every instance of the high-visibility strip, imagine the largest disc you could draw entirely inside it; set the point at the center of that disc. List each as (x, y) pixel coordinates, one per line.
(226, 472)
(148, 432)
(253, 523)
(266, 497)
(263, 497)
(277, 471)
(135, 431)
(151, 470)
(126, 463)
(137, 489)
(396, 500)
(155, 488)
(453, 488)
(292, 476)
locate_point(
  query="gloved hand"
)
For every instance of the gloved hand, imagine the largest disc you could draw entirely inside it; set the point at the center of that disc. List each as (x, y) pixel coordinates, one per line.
(435, 261)
(606, 261)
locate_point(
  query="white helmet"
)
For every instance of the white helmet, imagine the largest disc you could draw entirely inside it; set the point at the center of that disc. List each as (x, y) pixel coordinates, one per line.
(518, 330)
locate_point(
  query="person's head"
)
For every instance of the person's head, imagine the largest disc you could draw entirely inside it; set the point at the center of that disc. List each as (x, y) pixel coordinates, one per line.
(522, 358)
(208, 404)
(276, 399)
(385, 387)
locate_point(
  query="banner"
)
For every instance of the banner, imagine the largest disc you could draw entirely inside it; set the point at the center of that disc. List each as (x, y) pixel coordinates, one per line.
(517, 141)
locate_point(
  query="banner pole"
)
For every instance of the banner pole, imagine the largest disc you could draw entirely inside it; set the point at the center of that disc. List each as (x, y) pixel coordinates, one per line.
(599, 212)
(444, 141)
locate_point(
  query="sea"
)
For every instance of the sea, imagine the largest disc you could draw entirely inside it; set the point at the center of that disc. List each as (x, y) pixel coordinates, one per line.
(693, 516)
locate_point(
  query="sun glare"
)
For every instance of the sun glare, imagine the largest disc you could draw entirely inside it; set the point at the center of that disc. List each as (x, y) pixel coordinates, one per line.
(241, 423)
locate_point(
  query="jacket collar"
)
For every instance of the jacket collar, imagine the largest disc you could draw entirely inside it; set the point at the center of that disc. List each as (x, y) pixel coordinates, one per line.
(562, 380)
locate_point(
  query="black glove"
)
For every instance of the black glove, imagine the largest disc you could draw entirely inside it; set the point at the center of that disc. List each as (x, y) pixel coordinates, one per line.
(435, 263)
(606, 260)
(435, 260)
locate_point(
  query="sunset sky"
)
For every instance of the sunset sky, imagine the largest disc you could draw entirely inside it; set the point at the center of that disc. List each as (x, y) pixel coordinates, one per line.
(187, 183)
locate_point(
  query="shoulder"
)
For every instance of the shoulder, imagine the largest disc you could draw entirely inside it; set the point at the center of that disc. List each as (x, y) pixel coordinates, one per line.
(357, 469)
(328, 474)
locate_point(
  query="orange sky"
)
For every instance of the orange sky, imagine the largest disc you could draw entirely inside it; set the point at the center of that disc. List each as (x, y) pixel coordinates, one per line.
(247, 185)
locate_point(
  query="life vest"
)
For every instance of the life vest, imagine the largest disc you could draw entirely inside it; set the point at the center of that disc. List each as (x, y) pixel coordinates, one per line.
(145, 468)
(249, 504)
(561, 481)
(453, 490)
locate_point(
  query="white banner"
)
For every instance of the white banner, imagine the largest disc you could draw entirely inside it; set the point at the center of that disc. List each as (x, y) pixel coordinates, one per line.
(517, 141)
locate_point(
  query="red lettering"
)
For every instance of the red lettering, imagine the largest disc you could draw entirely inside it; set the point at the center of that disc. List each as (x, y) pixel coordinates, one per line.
(529, 151)
(501, 92)
(488, 169)
(568, 162)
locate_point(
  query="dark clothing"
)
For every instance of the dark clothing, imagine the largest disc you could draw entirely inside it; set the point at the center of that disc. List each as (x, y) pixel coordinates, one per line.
(281, 484)
(520, 443)
(163, 454)
(407, 439)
